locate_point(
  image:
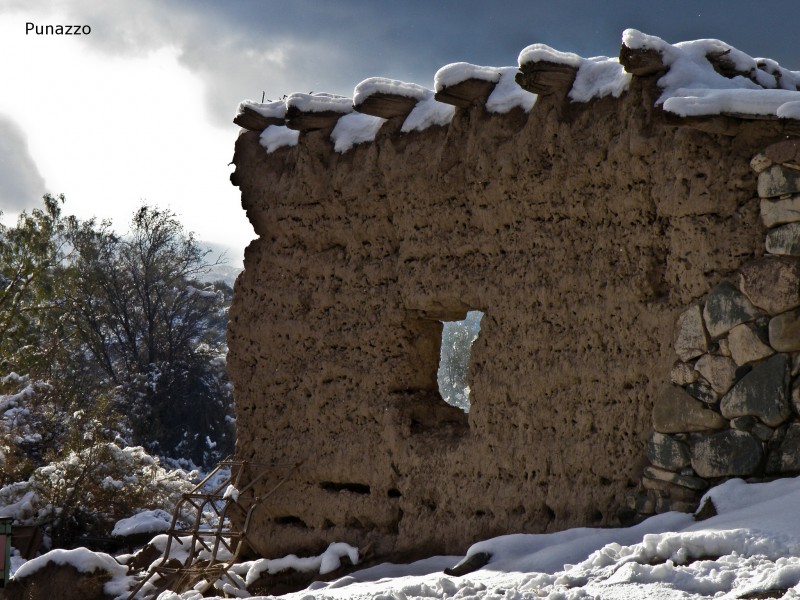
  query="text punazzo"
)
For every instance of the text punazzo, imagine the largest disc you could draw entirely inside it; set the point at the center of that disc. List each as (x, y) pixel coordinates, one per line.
(57, 29)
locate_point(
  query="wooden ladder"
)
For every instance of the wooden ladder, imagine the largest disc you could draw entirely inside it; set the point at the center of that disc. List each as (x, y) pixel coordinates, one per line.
(212, 549)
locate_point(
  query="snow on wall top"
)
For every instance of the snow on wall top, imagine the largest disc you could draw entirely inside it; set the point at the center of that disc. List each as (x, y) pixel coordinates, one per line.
(319, 102)
(698, 78)
(694, 86)
(381, 85)
(544, 53)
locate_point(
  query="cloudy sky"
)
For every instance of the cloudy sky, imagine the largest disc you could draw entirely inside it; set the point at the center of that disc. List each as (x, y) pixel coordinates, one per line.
(140, 109)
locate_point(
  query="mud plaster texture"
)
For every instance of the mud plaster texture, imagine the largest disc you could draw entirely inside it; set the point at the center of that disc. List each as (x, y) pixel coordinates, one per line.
(582, 231)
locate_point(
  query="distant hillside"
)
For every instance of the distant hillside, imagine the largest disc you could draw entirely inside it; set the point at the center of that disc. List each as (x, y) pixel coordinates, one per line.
(230, 262)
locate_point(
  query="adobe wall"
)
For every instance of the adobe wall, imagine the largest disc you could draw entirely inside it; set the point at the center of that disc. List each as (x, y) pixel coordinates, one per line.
(581, 230)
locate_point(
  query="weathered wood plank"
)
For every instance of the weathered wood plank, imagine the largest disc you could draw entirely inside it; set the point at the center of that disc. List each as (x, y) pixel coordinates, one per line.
(387, 106)
(641, 62)
(250, 119)
(311, 121)
(545, 77)
(467, 93)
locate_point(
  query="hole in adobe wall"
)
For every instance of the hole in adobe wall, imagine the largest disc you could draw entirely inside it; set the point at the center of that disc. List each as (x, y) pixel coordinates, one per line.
(356, 488)
(291, 520)
(551, 514)
(394, 493)
(454, 358)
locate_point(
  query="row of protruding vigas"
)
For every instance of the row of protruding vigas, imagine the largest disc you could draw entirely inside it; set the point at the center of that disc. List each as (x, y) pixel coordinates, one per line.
(733, 406)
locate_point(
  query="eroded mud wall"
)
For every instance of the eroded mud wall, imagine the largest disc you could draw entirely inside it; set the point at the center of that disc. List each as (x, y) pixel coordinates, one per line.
(581, 231)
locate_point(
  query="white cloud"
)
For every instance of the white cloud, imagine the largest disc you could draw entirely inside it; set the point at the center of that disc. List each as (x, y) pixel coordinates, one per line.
(112, 131)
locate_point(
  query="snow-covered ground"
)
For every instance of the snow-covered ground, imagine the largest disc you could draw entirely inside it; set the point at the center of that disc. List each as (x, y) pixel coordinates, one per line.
(752, 545)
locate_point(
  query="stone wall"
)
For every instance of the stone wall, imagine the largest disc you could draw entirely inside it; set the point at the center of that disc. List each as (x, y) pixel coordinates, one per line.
(581, 230)
(732, 407)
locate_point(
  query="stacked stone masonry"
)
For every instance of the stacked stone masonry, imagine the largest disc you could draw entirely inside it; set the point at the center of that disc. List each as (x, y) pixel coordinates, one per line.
(733, 406)
(582, 230)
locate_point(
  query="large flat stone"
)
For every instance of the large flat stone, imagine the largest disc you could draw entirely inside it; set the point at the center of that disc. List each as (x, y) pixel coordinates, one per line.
(777, 181)
(780, 211)
(746, 346)
(687, 481)
(784, 331)
(771, 283)
(726, 453)
(784, 240)
(725, 308)
(691, 339)
(761, 393)
(666, 452)
(675, 411)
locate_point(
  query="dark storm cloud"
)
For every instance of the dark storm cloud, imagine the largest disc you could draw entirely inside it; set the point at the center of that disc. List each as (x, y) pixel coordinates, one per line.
(331, 46)
(21, 184)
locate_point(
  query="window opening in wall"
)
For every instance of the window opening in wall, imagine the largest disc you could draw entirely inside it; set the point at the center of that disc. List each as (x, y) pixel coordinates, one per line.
(457, 340)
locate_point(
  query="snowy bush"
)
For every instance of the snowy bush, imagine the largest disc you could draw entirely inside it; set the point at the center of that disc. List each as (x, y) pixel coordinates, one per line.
(87, 492)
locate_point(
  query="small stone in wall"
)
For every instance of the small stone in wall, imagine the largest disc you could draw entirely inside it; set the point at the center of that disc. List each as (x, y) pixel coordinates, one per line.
(691, 339)
(778, 212)
(772, 283)
(784, 331)
(683, 373)
(724, 347)
(746, 346)
(784, 240)
(687, 481)
(700, 390)
(669, 505)
(719, 371)
(643, 504)
(665, 489)
(666, 452)
(778, 180)
(761, 393)
(752, 425)
(726, 453)
(676, 411)
(762, 432)
(760, 163)
(725, 308)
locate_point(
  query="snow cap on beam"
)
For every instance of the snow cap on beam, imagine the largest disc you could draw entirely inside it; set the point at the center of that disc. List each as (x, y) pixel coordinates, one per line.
(544, 70)
(257, 116)
(388, 98)
(309, 112)
(463, 84)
